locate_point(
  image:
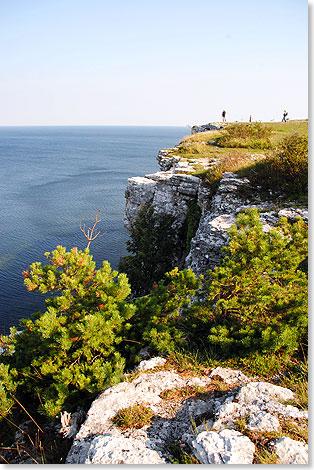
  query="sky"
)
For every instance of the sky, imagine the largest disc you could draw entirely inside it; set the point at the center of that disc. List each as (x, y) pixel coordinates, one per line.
(152, 62)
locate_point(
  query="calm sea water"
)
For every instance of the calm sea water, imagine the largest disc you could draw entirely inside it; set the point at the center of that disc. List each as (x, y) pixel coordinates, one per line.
(53, 178)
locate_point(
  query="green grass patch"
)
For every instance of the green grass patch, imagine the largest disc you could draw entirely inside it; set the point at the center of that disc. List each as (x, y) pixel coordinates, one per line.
(133, 417)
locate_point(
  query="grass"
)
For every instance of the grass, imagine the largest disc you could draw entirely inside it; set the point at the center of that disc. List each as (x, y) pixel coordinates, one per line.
(197, 146)
(180, 454)
(47, 447)
(186, 362)
(182, 393)
(264, 441)
(133, 417)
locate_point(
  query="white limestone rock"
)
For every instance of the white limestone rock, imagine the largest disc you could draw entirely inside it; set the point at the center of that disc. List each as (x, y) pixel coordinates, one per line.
(206, 127)
(109, 449)
(140, 191)
(263, 392)
(151, 363)
(263, 422)
(166, 192)
(293, 213)
(260, 403)
(99, 441)
(215, 222)
(271, 398)
(166, 159)
(144, 389)
(290, 451)
(230, 376)
(226, 447)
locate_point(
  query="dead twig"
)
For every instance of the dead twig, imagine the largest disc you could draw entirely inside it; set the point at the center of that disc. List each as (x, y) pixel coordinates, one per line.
(90, 232)
(26, 412)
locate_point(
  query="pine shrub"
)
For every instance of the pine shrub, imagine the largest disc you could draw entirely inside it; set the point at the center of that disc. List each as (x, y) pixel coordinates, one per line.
(71, 350)
(157, 318)
(153, 245)
(257, 299)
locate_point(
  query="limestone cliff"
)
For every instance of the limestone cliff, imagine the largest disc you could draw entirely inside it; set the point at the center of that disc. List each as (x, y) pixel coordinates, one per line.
(169, 191)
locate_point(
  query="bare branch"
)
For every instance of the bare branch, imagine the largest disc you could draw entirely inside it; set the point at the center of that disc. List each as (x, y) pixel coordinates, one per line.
(90, 232)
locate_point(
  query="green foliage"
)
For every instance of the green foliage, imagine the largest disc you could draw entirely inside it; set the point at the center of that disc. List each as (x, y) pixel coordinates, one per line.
(133, 417)
(72, 349)
(243, 135)
(257, 299)
(158, 316)
(8, 384)
(286, 169)
(181, 454)
(152, 239)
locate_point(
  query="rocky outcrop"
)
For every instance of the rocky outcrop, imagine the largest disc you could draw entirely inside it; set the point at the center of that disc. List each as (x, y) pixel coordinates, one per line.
(166, 192)
(234, 195)
(206, 128)
(225, 447)
(206, 422)
(169, 192)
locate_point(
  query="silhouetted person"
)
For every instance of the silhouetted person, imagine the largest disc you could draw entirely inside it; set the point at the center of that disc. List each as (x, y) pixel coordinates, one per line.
(223, 116)
(250, 120)
(285, 114)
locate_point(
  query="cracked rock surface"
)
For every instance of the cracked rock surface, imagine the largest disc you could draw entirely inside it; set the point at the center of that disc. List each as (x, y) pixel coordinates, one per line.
(170, 190)
(205, 422)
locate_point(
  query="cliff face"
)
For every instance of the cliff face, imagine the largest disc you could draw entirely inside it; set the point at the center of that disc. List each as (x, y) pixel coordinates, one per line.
(170, 190)
(166, 191)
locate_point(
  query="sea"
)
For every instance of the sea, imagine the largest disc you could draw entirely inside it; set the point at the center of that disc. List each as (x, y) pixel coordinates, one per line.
(52, 180)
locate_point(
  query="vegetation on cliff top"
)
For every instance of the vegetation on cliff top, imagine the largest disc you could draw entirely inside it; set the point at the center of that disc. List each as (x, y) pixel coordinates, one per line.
(274, 156)
(250, 312)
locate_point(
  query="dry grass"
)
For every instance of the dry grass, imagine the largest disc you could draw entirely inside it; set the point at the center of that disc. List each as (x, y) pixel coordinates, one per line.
(133, 417)
(196, 146)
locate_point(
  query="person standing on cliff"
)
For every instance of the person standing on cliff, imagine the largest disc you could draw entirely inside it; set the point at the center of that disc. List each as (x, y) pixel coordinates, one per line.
(223, 114)
(285, 114)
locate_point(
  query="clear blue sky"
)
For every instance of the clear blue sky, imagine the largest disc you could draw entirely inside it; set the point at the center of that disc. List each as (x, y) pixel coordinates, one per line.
(151, 62)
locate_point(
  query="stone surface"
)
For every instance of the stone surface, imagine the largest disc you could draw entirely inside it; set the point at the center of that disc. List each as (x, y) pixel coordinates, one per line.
(169, 191)
(290, 451)
(233, 194)
(261, 403)
(226, 447)
(213, 440)
(166, 159)
(151, 363)
(145, 389)
(263, 422)
(205, 128)
(230, 376)
(166, 192)
(110, 449)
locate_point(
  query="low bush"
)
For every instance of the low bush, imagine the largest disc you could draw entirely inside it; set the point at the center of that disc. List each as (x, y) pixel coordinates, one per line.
(285, 170)
(71, 350)
(157, 318)
(230, 162)
(243, 135)
(255, 301)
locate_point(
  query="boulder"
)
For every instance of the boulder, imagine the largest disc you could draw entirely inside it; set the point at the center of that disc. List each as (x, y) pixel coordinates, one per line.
(290, 451)
(225, 447)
